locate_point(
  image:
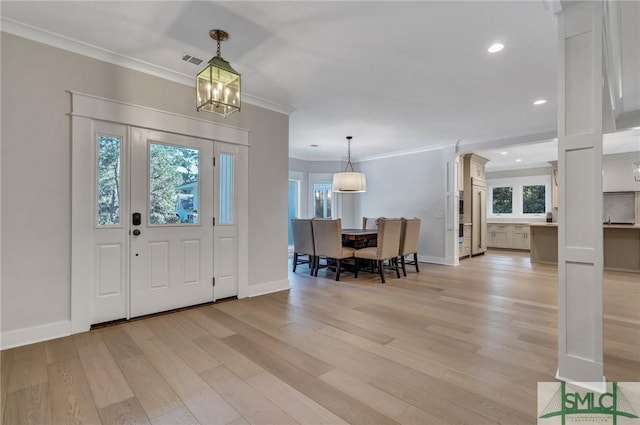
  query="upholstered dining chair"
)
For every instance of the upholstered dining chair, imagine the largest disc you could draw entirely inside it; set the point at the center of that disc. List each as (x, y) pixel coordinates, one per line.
(388, 244)
(409, 242)
(369, 222)
(303, 244)
(327, 235)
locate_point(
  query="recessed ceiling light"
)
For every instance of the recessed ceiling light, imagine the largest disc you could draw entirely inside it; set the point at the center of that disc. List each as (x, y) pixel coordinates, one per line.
(496, 47)
(314, 146)
(518, 160)
(504, 153)
(540, 102)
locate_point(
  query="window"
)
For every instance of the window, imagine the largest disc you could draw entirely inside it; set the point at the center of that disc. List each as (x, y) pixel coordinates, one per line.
(322, 200)
(502, 200)
(533, 199)
(226, 189)
(173, 184)
(518, 197)
(293, 206)
(109, 180)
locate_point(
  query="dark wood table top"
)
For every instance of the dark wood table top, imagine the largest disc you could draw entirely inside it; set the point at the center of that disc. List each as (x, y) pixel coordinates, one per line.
(359, 233)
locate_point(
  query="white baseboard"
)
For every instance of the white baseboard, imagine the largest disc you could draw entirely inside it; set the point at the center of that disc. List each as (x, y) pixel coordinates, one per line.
(25, 336)
(434, 260)
(268, 287)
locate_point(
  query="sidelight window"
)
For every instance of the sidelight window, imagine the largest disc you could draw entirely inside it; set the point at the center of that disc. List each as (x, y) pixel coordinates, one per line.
(226, 189)
(109, 186)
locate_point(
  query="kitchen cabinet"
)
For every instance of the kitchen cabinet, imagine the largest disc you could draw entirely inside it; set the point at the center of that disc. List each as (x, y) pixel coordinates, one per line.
(464, 249)
(498, 235)
(508, 236)
(520, 237)
(478, 220)
(475, 200)
(621, 246)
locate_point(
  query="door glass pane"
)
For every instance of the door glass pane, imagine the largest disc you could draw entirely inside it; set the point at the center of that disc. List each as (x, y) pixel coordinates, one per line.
(173, 184)
(533, 199)
(322, 200)
(225, 214)
(293, 206)
(109, 184)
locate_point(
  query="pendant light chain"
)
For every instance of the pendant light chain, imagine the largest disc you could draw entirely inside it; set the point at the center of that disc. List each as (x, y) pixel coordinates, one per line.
(218, 50)
(349, 164)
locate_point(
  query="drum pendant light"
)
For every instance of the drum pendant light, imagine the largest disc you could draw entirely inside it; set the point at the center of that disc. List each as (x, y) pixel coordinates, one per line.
(349, 181)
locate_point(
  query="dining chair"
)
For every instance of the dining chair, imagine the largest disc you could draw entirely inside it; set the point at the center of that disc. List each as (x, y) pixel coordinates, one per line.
(409, 236)
(369, 222)
(327, 235)
(303, 244)
(388, 243)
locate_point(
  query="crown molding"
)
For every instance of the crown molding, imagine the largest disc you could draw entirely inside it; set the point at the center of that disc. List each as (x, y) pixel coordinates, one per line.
(39, 35)
(414, 151)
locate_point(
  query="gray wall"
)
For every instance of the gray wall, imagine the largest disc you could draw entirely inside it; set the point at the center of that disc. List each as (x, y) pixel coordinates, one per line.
(36, 172)
(410, 186)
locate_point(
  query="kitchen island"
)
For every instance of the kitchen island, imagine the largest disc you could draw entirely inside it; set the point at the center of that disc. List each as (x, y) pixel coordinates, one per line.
(621, 245)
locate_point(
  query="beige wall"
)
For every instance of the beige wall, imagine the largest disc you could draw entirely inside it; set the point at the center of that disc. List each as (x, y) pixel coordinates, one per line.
(36, 172)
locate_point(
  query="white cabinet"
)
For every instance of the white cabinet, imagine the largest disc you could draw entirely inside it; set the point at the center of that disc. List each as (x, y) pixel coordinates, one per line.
(498, 235)
(508, 236)
(478, 220)
(520, 237)
(464, 249)
(475, 200)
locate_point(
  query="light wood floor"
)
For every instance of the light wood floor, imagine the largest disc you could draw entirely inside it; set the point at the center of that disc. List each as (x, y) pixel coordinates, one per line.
(450, 345)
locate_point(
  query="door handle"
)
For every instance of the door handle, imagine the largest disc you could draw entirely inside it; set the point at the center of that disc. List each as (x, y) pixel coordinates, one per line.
(136, 232)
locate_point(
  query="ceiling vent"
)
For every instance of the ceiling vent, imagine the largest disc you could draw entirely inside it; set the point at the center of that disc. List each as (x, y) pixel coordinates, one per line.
(191, 59)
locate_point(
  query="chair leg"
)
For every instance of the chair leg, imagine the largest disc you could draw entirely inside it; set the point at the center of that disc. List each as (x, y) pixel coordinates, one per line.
(381, 270)
(395, 261)
(415, 259)
(337, 269)
(295, 261)
(404, 269)
(317, 261)
(356, 272)
(312, 264)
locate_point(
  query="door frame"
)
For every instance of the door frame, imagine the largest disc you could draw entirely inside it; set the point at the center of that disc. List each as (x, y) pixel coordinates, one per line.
(85, 109)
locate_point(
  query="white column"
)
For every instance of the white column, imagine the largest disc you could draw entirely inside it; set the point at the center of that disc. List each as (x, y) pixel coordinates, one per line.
(580, 249)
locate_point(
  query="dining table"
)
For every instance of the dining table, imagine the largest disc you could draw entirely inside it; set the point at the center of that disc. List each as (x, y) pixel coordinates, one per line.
(359, 238)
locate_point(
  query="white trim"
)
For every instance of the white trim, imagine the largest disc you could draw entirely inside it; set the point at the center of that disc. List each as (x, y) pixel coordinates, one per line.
(29, 32)
(322, 178)
(269, 287)
(599, 387)
(25, 336)
(414, 151)
(96, 107)
(433, 260)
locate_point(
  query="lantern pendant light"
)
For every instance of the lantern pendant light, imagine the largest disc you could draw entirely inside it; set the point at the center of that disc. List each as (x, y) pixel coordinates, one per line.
(349, 181)
(218, 84)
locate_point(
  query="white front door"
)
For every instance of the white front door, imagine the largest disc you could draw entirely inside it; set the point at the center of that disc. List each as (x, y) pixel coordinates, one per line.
(119, 169)
(226, 229)
(171, 229)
